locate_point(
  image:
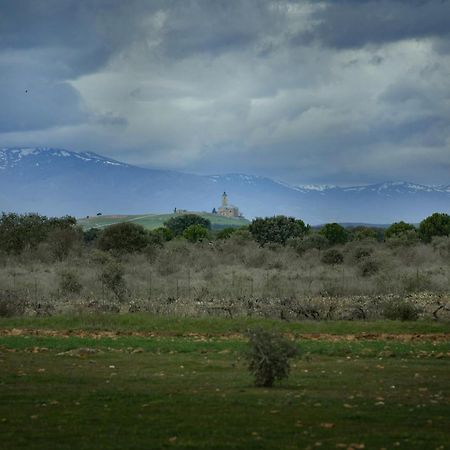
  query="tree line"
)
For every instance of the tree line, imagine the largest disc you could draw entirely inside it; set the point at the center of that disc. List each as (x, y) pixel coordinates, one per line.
(20, 232)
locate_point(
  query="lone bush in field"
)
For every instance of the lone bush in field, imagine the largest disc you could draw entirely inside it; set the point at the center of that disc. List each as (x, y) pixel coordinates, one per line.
(332, 257)
(178, 224)
(268, 356)
(123, 237)
(277, 229)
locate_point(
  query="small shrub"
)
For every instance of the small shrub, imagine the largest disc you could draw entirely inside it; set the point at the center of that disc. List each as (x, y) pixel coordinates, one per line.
(332, 257)
(10, 304)
(361, 253)
(268, 356)
(69, 283)
(400, 310)
(112, 278)
(369, 267)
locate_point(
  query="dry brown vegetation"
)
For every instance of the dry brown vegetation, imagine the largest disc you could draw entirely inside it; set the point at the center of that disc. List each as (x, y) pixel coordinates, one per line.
(233, 277)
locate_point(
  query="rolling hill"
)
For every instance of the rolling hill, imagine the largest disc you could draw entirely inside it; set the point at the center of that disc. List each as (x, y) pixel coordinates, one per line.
(152, 221)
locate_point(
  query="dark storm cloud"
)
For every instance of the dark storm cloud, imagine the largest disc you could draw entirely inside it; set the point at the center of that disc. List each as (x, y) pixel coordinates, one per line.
(333, 91)
(213, 27)
(80, 35)
(355, 23)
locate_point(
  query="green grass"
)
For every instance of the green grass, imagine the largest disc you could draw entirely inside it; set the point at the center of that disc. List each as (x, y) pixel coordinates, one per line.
(141, 322)
(184, 393)
(152, 221)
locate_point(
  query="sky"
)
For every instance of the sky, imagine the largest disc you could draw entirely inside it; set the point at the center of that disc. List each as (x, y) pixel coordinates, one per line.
(329, 92)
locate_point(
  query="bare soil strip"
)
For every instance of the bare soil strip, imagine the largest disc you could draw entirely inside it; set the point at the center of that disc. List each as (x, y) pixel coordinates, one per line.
(100, 334)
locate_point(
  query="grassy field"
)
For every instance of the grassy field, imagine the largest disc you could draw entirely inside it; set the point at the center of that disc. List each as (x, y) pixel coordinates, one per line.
(152, 221)
(140, 382)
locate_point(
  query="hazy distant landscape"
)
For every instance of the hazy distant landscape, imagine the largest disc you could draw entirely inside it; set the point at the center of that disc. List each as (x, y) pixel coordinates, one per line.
(60, 182)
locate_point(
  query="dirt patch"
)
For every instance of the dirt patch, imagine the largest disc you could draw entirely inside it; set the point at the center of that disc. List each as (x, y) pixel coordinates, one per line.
(101, 334)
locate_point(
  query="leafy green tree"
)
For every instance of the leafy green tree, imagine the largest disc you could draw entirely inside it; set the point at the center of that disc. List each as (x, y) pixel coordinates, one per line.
(438, 224)
(335, 233)
(195, 233)
(21, 231)
(123, 237)
(277, 229)
(397, 229)
(178, 224)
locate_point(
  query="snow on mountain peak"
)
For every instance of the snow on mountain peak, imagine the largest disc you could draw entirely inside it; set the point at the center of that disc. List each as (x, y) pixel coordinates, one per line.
(11, 157)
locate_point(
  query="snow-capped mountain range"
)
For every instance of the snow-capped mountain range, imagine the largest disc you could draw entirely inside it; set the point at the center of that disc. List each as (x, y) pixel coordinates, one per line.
(58, 182)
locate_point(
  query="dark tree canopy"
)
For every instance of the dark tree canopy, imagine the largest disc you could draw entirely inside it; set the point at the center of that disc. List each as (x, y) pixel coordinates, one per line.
(398, 229)
(180, 223)
(438, 224)
(335, 233)
(123, 237)
(21, 231)
(277, 229)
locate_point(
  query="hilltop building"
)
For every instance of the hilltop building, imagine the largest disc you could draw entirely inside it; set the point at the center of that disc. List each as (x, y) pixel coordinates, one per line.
(227, 210)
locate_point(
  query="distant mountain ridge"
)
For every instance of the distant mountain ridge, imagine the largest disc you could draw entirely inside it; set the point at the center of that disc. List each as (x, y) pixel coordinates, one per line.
(55, 181)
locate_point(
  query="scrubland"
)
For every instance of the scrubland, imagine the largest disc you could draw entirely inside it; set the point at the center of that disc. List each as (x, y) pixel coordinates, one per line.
(234, 277)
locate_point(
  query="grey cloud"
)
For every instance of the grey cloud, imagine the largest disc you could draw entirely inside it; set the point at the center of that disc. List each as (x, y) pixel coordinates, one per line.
(211, 27)
(31, 101)
(275, 87)
(355, 23)
(82, 34)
